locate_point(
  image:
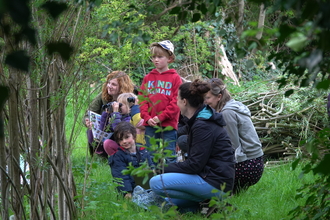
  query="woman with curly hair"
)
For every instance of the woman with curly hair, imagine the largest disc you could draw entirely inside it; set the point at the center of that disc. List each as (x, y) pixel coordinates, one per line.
(117, 82)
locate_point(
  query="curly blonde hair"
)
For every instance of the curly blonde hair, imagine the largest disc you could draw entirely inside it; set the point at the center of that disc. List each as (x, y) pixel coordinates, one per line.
(125, 84)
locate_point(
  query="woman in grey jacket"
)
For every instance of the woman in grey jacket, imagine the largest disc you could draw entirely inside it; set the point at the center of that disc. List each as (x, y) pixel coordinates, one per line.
(244, 138)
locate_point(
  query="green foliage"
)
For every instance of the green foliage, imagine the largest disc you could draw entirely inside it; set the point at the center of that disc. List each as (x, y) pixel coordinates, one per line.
(316, 194)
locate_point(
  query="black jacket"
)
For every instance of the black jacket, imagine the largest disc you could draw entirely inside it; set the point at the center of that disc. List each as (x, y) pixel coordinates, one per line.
(210, 154)
(120, 161)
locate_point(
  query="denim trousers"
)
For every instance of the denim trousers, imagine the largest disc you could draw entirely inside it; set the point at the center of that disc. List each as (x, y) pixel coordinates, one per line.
(183, 190)
(168, 136)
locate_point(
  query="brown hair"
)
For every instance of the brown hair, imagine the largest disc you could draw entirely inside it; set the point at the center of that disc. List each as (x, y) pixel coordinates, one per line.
(122, 129)
(124, 82)
(218, 87)
(194, 92)
(156, 49)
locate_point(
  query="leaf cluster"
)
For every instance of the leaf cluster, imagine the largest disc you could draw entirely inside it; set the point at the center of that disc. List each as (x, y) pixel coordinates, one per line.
(317, 193)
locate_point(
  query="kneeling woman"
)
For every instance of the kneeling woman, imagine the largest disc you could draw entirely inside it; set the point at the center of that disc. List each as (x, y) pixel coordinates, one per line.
(210, 162)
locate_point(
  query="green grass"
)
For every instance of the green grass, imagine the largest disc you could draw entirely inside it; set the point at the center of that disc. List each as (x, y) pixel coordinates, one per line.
(271, 198)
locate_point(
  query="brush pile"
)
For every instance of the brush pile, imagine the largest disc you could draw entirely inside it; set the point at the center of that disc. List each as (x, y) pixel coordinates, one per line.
(283, 122)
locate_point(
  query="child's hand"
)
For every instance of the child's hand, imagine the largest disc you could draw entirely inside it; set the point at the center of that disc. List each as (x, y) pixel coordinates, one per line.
(156, 119)
(128, 196)
(151, 122)
(115, 106)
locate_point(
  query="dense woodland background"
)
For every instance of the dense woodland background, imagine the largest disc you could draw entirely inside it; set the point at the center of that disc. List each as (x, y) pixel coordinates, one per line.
(56, 54)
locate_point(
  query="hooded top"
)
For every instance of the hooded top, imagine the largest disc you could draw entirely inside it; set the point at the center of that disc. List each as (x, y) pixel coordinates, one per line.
(210, 154)
(241, 131)
(162, 90)
(121, 160)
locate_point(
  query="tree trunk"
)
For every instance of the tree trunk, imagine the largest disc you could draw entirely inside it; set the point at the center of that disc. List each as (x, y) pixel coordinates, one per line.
(14, 149)
(261, 22)
(240, 17)
(3, 163)
(36, 122)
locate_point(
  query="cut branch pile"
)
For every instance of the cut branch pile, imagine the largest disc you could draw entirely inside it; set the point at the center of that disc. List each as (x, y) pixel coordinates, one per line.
(279, 128)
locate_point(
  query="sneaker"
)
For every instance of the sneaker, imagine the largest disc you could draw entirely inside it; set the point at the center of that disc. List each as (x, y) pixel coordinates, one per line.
(205, 208)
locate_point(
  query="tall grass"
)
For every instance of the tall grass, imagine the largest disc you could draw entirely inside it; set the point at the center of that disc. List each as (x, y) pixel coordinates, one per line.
(271, 198)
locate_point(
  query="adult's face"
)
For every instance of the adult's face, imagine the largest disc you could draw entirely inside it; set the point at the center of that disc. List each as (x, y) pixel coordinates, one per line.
(113, 87)
(181, 104)
(212, 100)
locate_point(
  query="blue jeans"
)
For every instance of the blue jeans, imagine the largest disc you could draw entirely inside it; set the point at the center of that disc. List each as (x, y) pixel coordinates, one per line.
(183, 190)
(168, 136)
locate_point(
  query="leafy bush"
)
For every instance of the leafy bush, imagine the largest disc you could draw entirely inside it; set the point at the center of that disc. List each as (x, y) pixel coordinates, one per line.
(317, 193)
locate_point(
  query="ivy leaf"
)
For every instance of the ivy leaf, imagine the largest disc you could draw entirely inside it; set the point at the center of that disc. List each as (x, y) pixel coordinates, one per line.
(249, 64)
(19, 60)
(297, 41)
(175, 10)
(182, 15)
(54, 8)
(202, 8)
(288, 92)
(64, 49)
(285, 31)
(29, 33)
(196, 17)
(325, 84)
(4, 94)
(19, 11)
(295, 163)
(323, 166)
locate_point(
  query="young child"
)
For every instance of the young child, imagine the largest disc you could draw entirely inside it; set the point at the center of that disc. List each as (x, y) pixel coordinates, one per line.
(128, 152)
(161, 86)
(129, 111)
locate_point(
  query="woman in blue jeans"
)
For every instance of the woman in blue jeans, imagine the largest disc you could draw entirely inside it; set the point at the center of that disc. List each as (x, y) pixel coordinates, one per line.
(210, 162)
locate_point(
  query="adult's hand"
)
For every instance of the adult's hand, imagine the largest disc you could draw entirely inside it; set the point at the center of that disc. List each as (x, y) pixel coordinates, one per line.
(88, 123)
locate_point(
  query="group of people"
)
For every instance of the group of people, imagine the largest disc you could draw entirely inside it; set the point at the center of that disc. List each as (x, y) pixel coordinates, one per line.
(223, 150)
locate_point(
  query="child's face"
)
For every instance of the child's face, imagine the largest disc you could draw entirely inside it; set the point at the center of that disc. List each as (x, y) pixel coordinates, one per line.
(125, 109)
(127, 142)
(161, 62)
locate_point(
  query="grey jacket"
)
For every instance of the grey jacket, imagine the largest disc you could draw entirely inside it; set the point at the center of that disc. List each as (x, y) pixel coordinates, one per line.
(241, 131)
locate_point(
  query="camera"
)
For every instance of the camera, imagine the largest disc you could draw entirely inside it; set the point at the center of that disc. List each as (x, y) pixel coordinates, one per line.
(108, 106)
(131, 99)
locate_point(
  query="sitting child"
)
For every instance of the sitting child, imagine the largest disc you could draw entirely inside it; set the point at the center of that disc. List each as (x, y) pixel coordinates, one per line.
(128, 152)
(130, 111)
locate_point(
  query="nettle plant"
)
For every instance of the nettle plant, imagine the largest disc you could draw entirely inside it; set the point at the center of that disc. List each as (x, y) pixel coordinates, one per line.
(316, 193)
(158, 147)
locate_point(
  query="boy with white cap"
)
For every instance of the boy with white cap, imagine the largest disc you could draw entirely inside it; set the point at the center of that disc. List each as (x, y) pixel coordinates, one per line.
(161, 86)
